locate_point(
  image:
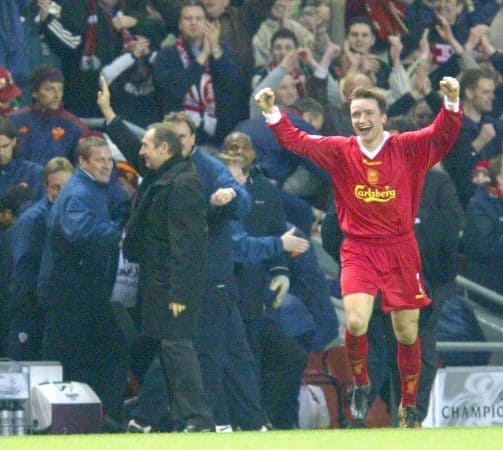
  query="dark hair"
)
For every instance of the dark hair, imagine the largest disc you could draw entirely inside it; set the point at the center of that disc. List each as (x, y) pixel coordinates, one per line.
(86, 144)
(493, 170)
(8, 129)
(309, 105)
(188, 3)
(285, 33)
(44, 72)
(363, 20)
(180, 116)
(57, 164)
(369, 93)
(470, 79)
(163, 132)
(15, 197)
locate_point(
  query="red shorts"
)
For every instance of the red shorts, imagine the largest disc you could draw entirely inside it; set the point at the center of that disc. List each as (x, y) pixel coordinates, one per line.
(392, 267)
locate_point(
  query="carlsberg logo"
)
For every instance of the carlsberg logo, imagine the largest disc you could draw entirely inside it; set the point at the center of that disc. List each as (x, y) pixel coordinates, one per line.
(368, 194)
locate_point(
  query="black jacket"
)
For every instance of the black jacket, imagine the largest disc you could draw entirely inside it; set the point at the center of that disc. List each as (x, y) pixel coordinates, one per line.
(167, 234)
(483, 240)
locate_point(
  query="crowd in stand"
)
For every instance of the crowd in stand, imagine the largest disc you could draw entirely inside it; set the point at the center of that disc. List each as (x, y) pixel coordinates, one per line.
(171, 267)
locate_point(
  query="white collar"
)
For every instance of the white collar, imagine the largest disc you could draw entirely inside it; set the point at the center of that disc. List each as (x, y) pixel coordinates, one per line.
(371, 154)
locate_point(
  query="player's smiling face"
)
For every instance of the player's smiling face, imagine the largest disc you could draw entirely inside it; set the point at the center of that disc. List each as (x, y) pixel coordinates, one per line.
(368, 121)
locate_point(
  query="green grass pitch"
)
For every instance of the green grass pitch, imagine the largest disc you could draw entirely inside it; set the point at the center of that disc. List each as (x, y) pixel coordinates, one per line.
(487, 438)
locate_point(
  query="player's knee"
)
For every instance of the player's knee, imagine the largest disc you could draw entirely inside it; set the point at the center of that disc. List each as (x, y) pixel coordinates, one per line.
(356, 325)
(406, 335)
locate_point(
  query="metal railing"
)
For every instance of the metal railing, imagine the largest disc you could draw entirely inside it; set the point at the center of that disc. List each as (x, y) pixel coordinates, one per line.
(470, 286)
(494, 347)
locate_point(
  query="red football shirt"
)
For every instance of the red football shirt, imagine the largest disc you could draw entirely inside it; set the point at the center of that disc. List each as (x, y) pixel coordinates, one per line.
(377, 193)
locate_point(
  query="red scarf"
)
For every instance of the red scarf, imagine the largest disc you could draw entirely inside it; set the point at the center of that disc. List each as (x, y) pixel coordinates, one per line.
(199, 101)
(298, 76)
(89, 59)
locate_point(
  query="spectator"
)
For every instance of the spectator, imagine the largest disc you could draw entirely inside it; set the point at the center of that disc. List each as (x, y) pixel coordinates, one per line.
(437, 16)
(291, 69)
(483, 233)
(238, 24)
(199, 76)
(13, 54)
(87, 36)
(130, 79)
(27, 318)
(9, 92)
(76, 278)
(14, 169)
(170, 222)
(361, 38)
(280, 17)
(45, 128)
(12, 203)
(480, 173)
(481, 134)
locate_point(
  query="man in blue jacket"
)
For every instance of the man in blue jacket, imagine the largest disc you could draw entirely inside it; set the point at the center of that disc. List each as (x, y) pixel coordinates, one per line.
(27, 318)
(75, 279)
(13, 168)
(45, 128)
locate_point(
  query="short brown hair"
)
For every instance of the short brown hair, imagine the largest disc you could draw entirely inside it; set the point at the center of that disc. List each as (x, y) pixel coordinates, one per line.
(470, 79)
(86, 144)
(370, 93)
(57, 164)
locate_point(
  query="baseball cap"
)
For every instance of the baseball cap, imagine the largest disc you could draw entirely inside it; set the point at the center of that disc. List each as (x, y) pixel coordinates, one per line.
(481, 166)
(8, 88)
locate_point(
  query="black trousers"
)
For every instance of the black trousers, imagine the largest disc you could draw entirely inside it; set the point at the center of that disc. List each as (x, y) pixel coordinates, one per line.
(184, 383)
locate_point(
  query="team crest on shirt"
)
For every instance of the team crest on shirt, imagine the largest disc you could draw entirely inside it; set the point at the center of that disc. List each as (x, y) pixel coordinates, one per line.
(372, 176)
(57, 133)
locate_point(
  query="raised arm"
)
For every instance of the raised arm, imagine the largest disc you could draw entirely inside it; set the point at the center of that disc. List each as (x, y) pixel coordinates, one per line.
(440, 136)
(319, 149)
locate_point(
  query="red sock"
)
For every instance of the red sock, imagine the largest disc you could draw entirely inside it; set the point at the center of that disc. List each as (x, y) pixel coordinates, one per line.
(409, 366)
(357, 347)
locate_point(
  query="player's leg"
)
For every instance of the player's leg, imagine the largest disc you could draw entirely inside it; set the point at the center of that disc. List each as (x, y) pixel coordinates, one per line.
(405, 325)
(358, 309)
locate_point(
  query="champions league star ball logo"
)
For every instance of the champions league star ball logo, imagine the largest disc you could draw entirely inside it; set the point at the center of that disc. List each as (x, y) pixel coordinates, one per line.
(372, 176)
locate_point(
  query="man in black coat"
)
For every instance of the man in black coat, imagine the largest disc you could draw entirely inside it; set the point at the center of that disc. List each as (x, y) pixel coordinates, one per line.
(483, 234)
(167, 235)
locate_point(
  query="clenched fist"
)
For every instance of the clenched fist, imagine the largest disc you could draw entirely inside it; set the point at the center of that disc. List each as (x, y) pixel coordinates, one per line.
(450, 88)
(265, 100)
